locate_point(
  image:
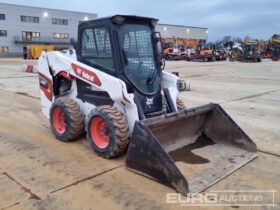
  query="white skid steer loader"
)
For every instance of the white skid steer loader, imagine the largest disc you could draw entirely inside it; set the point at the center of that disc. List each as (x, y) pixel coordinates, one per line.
(113, 86)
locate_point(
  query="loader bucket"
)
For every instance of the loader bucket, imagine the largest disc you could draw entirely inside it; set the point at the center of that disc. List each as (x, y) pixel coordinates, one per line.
(189, 150)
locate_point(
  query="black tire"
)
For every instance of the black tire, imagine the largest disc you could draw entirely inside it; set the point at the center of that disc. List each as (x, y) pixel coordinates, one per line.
(73, 119)
(116, 131)
(180, 104)
(169, 58)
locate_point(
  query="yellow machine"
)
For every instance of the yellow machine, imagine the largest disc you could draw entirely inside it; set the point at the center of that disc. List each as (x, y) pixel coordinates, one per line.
(275, 39)
(275, 45)
(251, 50)
(34, 51)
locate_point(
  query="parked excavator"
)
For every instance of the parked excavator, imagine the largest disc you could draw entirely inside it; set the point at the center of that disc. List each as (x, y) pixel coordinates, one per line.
(208, 52)
(204, 52)
(112, 85)
(175, 53)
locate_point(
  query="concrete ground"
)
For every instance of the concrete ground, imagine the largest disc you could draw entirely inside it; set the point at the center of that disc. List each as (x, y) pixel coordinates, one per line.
(39, 172)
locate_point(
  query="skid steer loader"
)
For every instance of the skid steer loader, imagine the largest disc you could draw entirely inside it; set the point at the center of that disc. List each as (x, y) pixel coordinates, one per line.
(113, 86)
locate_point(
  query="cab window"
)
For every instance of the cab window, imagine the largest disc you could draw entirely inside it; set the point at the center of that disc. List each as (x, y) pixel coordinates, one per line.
(96, 48)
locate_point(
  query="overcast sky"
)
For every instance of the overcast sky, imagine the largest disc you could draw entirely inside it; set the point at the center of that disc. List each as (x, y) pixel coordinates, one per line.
(238, 18)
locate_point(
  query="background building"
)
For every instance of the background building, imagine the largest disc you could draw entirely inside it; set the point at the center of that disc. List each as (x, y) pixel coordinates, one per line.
(24, 25)
(177, 35)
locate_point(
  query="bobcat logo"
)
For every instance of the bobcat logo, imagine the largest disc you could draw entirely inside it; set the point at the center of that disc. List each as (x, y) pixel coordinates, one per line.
(79, 71)
(150, 101)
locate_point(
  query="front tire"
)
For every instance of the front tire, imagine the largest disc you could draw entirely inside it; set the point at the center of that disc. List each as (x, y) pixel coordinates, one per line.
(169, 58)
(66, 119)
(107, 131)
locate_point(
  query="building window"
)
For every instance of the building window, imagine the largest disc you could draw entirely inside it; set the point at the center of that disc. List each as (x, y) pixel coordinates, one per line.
(60, 35)
(4, 49)
(29, 19)
(59, 21)
(29, 35)
(3, 33)
(2, 17)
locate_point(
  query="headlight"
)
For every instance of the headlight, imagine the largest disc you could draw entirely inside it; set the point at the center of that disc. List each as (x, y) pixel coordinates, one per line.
(181, 85)
(118, 19)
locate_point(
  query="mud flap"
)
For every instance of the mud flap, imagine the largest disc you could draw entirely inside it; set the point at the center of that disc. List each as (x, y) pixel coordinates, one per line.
(189, 150)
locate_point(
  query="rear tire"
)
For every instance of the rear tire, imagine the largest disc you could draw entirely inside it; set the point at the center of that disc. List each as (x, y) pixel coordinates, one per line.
(66, 119)
(180, 104)
(107, 131)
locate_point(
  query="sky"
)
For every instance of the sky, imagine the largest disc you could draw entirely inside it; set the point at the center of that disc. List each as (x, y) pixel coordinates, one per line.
(237, 18)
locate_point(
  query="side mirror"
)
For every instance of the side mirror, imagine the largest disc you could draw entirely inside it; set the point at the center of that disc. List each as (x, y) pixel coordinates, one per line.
(74, 43)
(159, 52)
